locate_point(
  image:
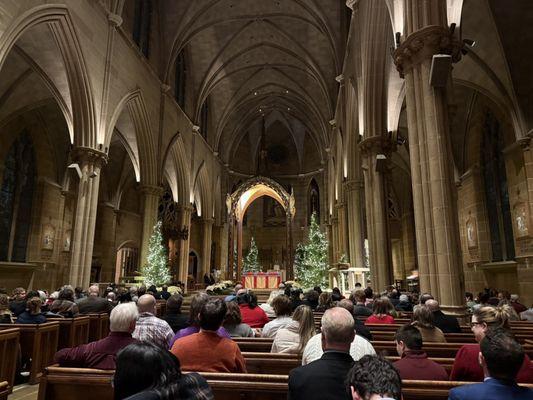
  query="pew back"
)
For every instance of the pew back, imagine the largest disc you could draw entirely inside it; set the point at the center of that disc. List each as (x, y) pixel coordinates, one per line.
(38, 342)
(72, 331)
(9, 355)
(98, 326)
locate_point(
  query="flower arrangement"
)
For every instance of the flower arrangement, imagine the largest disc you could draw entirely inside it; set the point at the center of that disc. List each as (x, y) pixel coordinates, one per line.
(224, 287)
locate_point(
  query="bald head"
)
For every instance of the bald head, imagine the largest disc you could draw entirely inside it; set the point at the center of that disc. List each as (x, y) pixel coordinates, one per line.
(241, 291)
(432, 305)
(238, 287)
(337, 329)
(146, 303)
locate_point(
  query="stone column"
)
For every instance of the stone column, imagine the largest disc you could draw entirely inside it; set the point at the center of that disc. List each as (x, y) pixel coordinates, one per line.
(206, 246)
(335, 238)
(434, 193)
(182, 243)
(90, 162)
(238, 234)
(343, 229)
(151, 196)
(354, 205)
(376, 211)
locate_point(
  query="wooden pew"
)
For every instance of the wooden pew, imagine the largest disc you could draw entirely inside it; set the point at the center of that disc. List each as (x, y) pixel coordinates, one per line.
(9, 355)
(72, 331)
(75, 383)
(271, 363)
(38, 343)
(98, 326)
(4, 390)
(84, 384)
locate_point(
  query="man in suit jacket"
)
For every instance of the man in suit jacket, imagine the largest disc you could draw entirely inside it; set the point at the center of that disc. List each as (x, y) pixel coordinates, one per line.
(93, 303)
(324, 378)
(446, 323)
(501, 358)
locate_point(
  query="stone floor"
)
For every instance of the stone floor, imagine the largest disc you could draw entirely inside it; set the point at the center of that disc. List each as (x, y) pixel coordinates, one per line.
(24, 392)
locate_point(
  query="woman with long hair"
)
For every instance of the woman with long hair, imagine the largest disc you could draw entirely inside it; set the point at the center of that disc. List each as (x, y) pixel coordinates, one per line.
(6, 316)
(423, 319)
(282, 307)
(381, 312)
(324, 302)
(146, 372)
(233, 322)
(294, 337)
(466, 365)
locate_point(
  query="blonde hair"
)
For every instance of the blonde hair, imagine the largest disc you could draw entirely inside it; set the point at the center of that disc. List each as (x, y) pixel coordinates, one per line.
(304, 315)
(494, 317)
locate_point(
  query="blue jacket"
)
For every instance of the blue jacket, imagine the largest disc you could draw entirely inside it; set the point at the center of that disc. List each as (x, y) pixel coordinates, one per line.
(491, 389)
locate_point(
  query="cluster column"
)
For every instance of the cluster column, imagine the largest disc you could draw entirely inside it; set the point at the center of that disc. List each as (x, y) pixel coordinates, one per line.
(206, 245)
(353, 189)
(151, 195)
(182, 243)
(374, 172)
(90, 162)
(434, 192)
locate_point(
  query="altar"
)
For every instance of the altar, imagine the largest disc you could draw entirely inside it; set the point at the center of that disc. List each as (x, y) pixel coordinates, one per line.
(261, 280)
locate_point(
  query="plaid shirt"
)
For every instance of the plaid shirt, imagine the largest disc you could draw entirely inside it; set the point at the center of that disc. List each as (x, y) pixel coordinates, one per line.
(151, 329)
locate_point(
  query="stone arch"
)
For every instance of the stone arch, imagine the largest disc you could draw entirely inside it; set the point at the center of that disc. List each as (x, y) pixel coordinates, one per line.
(129, 114)
(175, 168)
(59, 21)
(202, 192)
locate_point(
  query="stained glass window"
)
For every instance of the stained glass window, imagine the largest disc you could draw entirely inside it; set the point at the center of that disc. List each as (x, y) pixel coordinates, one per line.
(16, 198)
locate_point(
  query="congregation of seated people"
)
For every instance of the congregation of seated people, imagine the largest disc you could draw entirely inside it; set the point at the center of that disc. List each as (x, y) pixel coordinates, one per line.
(338, 360)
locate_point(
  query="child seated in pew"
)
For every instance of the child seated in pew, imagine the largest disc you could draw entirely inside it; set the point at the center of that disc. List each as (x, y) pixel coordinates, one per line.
(414, 363)
(33, 314)
(146, 372)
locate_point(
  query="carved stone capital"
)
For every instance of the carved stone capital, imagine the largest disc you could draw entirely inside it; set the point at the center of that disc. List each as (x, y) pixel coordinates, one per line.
(377, 145)
(208, 221)
(423, 44)
(89, 155)
(114, 19)
(352, 184)
(351, 3)
(151, 190)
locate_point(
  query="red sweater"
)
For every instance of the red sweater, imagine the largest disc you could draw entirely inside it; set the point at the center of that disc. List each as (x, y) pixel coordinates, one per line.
(466, 366)
(383, 319)
(256, 317)
(207, 352)
(416, 365)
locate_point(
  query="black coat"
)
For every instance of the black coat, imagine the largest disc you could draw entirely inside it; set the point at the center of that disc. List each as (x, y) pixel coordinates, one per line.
(323, 379)
(362, 330)
(446, 323)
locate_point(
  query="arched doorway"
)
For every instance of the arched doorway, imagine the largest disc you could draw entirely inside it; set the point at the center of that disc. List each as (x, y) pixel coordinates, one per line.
(192, 272)
(238, 202)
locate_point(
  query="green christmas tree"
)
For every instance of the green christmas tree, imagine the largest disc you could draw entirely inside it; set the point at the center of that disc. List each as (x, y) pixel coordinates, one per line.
(251, 261)
(156, 271)
(311, 259)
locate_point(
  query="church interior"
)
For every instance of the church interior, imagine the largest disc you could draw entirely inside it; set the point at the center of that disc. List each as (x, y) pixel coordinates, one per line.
(402, 127)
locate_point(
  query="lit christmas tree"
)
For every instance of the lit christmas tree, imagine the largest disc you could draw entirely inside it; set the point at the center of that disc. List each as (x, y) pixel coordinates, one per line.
(156, 272)
(251, 261)
(311, 259)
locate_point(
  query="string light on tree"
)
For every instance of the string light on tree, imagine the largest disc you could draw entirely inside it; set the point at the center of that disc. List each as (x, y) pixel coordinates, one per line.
(156, 271)
(311, 259)
(251, 261)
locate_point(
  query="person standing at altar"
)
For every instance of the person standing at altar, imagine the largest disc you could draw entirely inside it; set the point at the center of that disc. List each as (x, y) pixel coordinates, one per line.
(251, 314)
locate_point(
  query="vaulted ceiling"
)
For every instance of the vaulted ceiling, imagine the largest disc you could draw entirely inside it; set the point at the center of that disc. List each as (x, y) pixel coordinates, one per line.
(249, 59)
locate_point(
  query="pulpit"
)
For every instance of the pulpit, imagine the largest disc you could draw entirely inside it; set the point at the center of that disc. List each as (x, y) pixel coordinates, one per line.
(261, 280)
